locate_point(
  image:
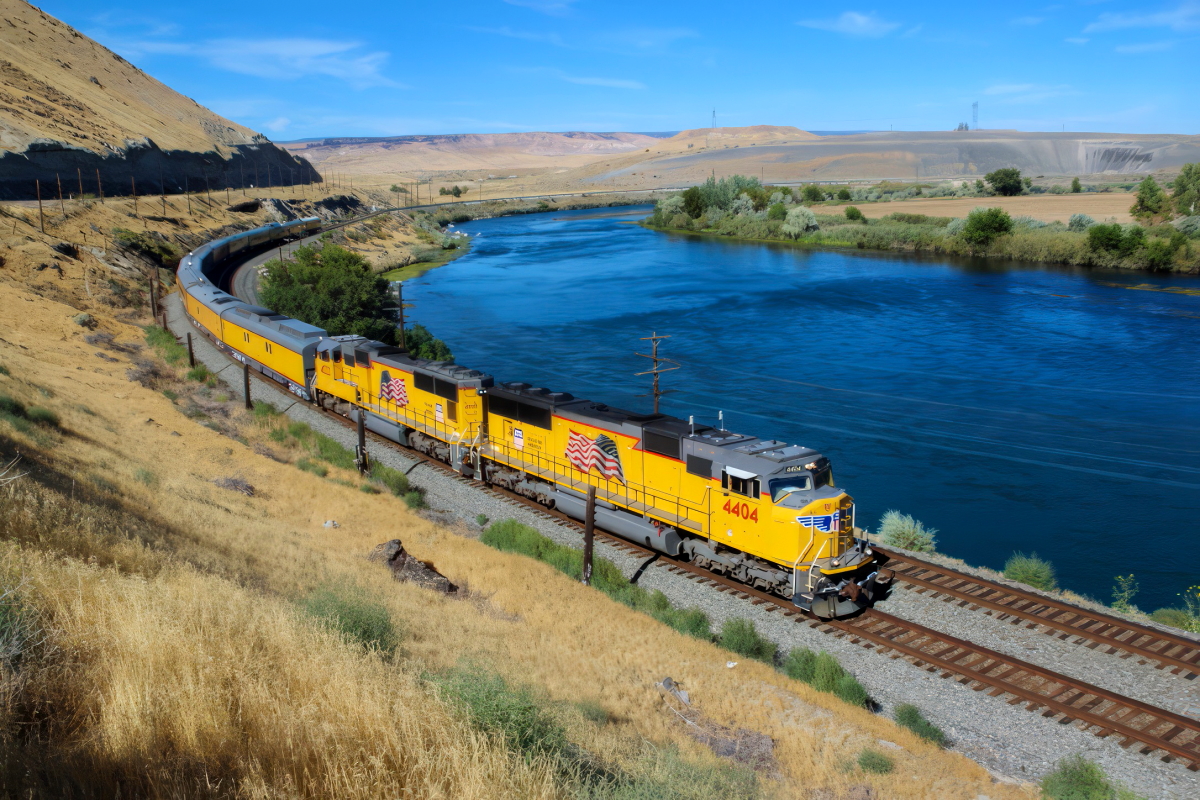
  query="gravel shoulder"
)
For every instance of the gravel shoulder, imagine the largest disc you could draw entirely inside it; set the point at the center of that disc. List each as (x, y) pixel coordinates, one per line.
(1015, 744)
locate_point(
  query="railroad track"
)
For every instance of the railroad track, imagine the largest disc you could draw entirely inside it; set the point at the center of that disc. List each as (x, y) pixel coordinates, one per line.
(1180, 654)
(1153, 730)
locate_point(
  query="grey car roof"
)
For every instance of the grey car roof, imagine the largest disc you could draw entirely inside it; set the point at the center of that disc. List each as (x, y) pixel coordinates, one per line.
(723, 448)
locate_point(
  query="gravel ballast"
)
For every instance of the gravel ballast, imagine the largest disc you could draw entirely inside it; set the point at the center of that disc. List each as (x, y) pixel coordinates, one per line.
(1015, 744)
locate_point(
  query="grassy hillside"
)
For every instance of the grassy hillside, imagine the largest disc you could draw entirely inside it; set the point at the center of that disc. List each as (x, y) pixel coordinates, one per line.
(58, 84)
(166, 633)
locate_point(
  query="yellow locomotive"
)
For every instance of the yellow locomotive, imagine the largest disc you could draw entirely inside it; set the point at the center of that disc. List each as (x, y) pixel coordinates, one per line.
(761, 511)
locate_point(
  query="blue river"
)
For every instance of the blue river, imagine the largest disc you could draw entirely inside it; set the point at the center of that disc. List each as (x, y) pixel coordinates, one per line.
(1013, 407)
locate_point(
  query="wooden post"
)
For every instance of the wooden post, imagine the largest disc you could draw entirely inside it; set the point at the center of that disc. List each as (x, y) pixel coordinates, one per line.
(153, 299)
(61, 204)
(79, 175)
(187, 191)
(99, 186)
(191, 353)
(133, 188)
(41, 216)
(162, 190)
(361, 455)
(207, 190)
(589, 535)
(246, 384)
(242, 173)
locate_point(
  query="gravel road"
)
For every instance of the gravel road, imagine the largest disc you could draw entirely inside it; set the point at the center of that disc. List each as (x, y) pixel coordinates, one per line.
(1014, 744)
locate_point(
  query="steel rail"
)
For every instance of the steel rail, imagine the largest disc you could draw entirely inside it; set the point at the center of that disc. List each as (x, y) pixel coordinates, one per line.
(1156, 728)
(1180, 653)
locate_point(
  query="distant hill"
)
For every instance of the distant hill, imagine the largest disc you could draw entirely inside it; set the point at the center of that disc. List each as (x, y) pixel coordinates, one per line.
(468, 151)
(67, 102)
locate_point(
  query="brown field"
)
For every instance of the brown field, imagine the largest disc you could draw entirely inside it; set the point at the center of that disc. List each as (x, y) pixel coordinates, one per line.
(1101, 206)
(180, 661)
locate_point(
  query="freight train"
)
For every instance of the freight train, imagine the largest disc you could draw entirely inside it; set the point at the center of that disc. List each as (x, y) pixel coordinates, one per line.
(761, 511)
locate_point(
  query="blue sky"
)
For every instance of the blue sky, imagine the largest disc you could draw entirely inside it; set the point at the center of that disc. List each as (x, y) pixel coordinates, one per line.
(306, 69)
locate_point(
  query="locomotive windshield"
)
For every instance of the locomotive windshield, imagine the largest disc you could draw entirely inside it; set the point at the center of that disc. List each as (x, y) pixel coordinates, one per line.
(782, 487)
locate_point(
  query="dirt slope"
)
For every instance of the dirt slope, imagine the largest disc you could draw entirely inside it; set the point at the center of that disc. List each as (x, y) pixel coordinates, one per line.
(67, 103)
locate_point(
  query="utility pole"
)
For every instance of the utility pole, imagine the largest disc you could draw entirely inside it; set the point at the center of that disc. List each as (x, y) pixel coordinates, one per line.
(99, 187)
(361, 459)
(133, 189)
(41, 216)
(654, 339)
(162, 188)
(187, 192)
(79, 175)
(242, 178)
(589, 534)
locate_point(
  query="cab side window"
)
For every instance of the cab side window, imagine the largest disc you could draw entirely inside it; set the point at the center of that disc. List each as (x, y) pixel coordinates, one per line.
(747, 487)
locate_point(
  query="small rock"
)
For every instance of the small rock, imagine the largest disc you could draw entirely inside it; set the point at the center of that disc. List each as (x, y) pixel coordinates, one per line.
(406, 568)
(84, 321)
(175, 433)
(890, 745)
(730, 664)
(331, 524)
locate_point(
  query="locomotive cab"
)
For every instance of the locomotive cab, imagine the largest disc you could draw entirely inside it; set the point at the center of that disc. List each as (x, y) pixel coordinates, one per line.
(833, 574)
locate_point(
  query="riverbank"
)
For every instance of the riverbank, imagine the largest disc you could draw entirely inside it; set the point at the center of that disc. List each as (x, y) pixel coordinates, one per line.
(1158, 248)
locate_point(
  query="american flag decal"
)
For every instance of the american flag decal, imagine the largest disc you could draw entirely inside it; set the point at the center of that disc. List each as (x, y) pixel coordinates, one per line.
(825, 524)
(393, 389)
(599, 453)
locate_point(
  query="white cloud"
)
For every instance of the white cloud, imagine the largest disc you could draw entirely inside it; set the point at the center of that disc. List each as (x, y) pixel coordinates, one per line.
(1021, 93)
(529, 36)
(1143, 47)
(289, 59)
(648, 38)
(853, 23)
(1076, 40)
(611, 83)
(1009, 88)
(555, 8)
(1184, 18)
(278, 59)
(277, 125)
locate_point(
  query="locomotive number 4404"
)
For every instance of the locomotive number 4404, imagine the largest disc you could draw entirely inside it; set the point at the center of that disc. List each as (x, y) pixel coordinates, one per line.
(742, 510)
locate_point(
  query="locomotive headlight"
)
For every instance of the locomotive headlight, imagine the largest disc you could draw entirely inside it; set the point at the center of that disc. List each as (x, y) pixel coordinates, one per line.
(837, 562)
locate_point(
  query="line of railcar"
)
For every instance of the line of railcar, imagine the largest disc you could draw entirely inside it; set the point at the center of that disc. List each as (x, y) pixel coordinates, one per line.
(762, 511)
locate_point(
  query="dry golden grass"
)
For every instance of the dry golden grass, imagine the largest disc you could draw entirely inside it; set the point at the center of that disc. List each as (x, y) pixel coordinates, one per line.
(285, 709)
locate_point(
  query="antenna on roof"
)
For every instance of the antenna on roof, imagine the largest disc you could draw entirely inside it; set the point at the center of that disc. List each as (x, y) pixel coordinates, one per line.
(656, 371)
